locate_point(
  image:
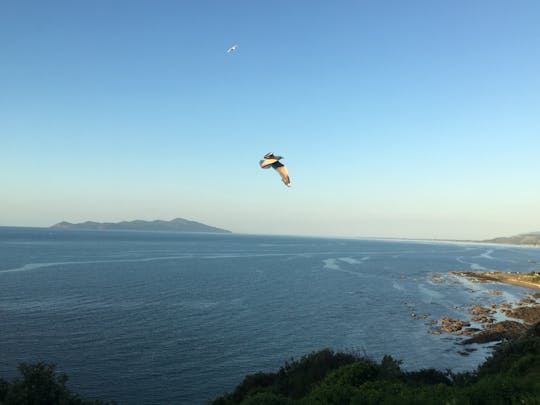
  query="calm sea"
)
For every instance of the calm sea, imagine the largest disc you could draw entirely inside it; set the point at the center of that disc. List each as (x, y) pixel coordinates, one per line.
(164, 318)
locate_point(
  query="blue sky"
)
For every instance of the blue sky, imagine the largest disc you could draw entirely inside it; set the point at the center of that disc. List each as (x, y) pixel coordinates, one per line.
(411, 119)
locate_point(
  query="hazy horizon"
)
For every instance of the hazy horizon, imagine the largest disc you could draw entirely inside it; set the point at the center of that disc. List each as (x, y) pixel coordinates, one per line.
(406, 120)
(315, 234)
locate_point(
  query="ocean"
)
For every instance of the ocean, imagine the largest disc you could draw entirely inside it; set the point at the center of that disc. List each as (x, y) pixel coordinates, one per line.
(171, 318)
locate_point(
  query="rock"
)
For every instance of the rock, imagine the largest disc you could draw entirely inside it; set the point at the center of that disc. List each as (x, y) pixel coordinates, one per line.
(495, 292)
(499, 331)
(445, 321)
(529, 315)
(482, 319)
(436, 278)
(468, 332)
(452, 325)
(526, 301)
(480, 310)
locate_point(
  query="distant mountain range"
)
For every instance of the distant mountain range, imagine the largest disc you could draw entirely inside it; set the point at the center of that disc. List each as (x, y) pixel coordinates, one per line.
(532, 238)
(176, 225)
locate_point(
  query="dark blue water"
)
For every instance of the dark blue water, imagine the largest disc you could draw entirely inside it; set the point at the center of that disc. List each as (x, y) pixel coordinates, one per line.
(155, 318)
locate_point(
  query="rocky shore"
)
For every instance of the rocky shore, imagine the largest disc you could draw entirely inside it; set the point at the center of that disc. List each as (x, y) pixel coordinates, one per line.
(484, 323)
(529, 280)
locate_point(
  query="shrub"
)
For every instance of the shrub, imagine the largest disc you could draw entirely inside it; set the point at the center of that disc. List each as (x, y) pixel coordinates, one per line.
(40, 385)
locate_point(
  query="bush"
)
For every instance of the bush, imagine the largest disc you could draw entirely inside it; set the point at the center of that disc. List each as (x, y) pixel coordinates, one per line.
(510, 376)
(295, 379)
(40, 385)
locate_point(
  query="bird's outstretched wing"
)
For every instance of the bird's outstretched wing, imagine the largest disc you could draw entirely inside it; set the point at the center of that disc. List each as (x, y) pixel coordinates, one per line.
(283, 172)
(270, 160)
(267, 163)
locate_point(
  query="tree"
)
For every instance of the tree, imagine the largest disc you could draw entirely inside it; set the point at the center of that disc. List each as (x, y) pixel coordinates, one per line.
(40, 385)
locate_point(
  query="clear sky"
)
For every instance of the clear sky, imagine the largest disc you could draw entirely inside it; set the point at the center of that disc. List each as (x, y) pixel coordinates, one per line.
(396, 118)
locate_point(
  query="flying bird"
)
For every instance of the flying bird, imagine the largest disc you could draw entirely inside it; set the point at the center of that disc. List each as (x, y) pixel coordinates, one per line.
(270, 160)
(232, 48)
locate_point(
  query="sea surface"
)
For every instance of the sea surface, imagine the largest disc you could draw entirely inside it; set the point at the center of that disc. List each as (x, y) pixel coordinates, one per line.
(165, 318)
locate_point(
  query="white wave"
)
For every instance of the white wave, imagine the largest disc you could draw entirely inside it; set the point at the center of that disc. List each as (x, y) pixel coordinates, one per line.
(472, 266)
(471, 285)
(331, 264)
(397, 286)
(509, 297)
(461, 260)
(34, 266)
(487, 254)
(350, 260)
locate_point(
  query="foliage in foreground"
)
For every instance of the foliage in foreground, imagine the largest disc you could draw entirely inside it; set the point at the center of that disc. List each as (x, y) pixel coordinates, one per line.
(40, 385)
(510, 376)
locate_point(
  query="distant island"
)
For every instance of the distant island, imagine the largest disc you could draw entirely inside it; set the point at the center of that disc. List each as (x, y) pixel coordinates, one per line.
(531, 239)
(175, 225)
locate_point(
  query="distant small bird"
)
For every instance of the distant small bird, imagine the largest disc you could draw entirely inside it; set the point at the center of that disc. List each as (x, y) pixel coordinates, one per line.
(232, 48)
(270, 160)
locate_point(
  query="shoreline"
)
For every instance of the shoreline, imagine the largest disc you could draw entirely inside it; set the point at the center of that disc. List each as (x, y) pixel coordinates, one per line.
(482, 325)
(513, 278)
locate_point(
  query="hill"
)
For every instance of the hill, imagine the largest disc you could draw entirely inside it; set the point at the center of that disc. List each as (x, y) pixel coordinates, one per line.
(176, 225)
(532, 238)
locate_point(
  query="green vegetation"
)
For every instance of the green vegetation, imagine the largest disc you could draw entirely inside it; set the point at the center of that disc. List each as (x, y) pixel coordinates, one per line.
(510, 376)
(40, 385)
(533, 277)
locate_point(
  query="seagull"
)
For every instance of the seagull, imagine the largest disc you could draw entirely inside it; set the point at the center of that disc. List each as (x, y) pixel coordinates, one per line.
(270, 160)
(232, 48)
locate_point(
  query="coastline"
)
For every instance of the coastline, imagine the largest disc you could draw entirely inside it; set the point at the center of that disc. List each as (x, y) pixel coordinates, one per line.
(513, 278)
(451, 241)
(484, 324)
